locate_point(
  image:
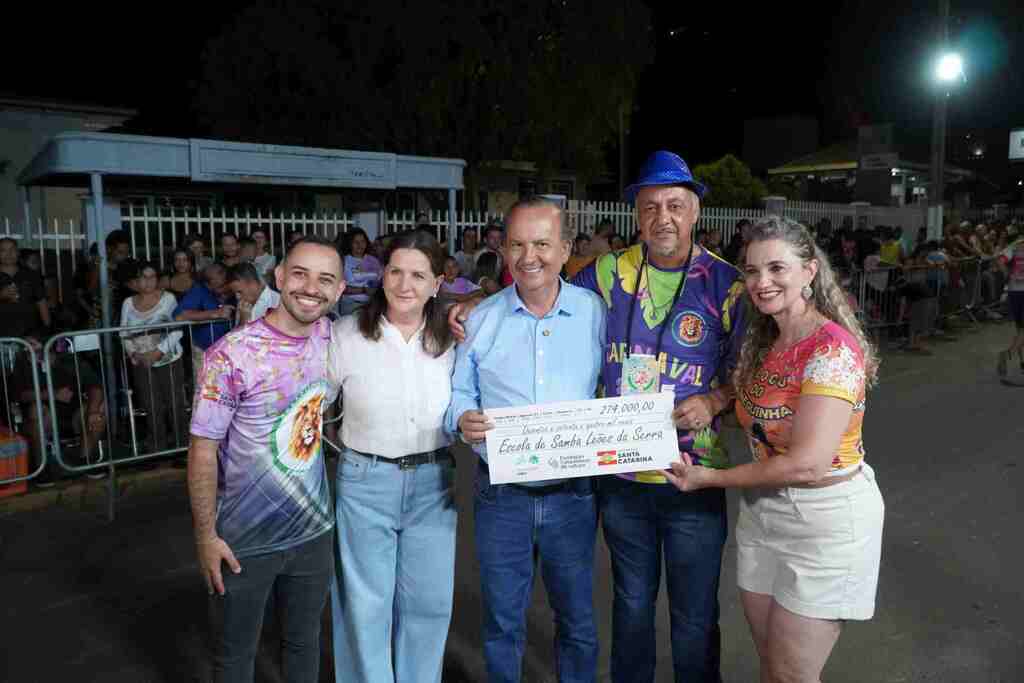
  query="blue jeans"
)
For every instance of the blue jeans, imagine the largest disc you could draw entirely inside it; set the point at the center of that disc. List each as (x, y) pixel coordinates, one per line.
(641, 522)
(392, 600)
(298, 578)
(513, 527)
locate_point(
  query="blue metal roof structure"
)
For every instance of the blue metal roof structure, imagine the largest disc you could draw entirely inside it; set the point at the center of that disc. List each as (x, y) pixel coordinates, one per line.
(70, 157)
(85, 159)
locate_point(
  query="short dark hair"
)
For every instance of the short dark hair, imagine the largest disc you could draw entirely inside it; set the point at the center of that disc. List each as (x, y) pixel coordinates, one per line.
(126, 270)
(212, 268)
(242, 271)
(486, 266)
(7, 238)
(320, 242)
(115, 238)
(605, 228)
(314, 239)
(229, 234)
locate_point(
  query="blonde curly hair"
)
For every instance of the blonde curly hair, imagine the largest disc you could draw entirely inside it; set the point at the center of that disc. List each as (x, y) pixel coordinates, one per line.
(829, 299)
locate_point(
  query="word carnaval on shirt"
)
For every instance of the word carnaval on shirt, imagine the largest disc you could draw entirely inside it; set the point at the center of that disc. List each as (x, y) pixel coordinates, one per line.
(684, 372)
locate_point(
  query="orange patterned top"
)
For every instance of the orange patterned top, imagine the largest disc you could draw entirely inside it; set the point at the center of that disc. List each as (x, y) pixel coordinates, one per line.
(827, 363)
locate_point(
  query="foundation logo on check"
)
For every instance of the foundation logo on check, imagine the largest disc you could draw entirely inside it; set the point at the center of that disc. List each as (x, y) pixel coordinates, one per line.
(607, 458)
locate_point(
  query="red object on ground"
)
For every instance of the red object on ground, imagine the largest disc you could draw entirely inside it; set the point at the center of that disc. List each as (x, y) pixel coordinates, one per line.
(13, 462)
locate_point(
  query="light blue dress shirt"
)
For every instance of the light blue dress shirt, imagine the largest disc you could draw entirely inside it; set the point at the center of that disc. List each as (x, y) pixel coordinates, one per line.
(512, 358)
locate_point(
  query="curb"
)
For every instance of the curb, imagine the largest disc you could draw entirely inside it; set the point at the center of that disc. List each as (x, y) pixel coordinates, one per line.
(81, 489)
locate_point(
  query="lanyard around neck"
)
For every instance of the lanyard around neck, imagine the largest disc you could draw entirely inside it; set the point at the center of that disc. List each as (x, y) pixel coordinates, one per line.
(680, 288)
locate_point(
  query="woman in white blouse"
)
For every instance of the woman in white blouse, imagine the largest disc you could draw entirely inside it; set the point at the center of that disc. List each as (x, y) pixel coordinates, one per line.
(153, 356)
(395, 499)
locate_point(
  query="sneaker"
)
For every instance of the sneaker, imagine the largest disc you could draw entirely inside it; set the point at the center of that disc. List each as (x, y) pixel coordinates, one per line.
(1004, 357)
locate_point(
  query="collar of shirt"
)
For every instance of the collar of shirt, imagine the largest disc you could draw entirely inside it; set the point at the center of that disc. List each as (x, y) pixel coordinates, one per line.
(389, 330)
(563, 303)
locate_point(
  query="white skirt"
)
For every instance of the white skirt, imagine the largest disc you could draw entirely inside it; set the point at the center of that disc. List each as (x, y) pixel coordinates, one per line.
(816, 551)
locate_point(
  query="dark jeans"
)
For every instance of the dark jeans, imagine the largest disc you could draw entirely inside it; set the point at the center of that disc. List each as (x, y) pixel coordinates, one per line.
(300, 578)
(641, 522)
(513, 527)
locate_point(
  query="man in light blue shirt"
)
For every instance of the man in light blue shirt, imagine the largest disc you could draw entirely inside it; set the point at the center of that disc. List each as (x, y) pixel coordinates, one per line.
(540, 341)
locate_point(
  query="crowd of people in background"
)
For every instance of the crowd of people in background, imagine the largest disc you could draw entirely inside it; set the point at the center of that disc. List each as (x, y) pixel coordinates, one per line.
(231, 283)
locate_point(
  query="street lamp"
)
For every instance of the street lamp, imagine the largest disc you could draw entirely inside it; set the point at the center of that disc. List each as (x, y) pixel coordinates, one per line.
(949, 70)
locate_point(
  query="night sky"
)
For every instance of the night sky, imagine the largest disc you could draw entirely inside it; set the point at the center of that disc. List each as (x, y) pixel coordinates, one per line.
(842, 63)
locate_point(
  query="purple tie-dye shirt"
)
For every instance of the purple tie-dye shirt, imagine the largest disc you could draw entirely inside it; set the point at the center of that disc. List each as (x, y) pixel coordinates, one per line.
(262, 395)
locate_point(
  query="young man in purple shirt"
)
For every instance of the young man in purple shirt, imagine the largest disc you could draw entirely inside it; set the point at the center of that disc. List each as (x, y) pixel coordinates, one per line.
(256, 477)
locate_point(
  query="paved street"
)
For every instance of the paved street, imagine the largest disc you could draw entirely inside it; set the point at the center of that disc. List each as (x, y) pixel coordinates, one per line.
(84, 600)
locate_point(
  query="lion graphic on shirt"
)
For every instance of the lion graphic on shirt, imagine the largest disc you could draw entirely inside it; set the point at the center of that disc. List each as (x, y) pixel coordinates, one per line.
(305, 438)
(691, 328)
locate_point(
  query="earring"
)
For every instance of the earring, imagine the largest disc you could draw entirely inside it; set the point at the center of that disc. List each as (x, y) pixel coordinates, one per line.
(807, 292)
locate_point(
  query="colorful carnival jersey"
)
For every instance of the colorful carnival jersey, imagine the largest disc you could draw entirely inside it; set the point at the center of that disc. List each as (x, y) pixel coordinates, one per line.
(262, 394)
(828, 363)
(699, 345)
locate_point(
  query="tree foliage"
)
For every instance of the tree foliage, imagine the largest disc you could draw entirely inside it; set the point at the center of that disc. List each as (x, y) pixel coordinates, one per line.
(730, 183)
(529, 80)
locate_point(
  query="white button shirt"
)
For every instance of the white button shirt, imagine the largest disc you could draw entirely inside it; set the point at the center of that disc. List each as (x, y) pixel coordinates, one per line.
(395, 394)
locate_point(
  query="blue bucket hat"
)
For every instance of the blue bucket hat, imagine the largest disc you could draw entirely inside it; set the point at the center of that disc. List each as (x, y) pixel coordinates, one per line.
(664, 168)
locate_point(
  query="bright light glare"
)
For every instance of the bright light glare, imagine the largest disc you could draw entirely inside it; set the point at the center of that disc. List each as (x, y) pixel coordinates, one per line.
(950, 67)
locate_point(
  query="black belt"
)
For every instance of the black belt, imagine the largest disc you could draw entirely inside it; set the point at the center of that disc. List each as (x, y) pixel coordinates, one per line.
(544, 490)
(411, 462)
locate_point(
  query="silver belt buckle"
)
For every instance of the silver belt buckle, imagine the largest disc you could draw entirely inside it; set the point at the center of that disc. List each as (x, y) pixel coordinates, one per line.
(406, 463)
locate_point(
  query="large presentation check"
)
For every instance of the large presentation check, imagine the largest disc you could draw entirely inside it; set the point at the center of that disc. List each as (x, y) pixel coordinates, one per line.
(581, 438)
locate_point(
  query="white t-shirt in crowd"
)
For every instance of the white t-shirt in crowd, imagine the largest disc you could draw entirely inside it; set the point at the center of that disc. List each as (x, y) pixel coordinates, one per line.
(877, 272)
(263, 264)
(167, 340)
(268, 299)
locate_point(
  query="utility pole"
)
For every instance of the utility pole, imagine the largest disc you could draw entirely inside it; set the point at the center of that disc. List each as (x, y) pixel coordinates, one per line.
(938, 166)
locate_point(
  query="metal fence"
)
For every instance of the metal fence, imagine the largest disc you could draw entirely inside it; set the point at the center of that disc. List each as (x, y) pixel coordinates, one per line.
(60, 245)
(102, 398)
(21, 393)
(437, 220)
(910, 300)
(156, 230)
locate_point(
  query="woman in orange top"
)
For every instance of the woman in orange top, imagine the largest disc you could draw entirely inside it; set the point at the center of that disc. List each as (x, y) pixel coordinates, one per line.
(810, 522)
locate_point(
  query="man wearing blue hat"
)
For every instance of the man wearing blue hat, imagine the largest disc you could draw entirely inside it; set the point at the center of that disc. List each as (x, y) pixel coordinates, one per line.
(675, 311)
